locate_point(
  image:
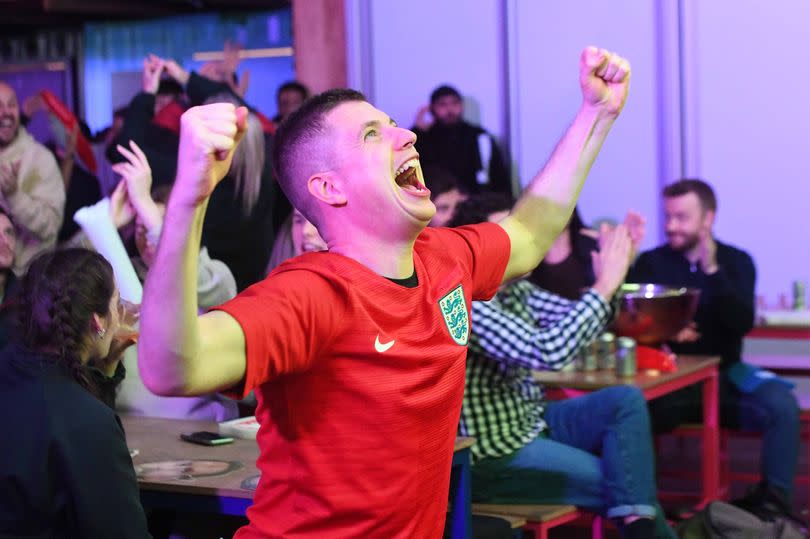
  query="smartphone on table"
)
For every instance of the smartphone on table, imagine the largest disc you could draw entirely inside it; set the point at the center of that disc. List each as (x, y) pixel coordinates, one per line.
(206, 438)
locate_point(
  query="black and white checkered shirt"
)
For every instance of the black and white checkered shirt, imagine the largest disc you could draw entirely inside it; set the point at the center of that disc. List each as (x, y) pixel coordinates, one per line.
(523, 328)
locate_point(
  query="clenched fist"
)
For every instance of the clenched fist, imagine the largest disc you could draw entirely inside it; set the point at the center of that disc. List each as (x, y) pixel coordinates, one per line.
(208, 137)
(604, 78)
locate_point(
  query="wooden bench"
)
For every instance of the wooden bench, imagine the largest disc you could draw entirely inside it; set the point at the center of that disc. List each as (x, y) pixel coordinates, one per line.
(539, 518)
(515, 522)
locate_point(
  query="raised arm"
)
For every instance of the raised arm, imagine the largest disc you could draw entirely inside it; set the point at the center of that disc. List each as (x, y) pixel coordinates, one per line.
(547, 203)
(215, 282)
(180, 353)
(560, 327)
(136, 175)
(140, 111)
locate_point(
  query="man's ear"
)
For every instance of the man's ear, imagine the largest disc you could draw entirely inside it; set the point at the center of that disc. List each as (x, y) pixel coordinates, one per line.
(708, 219)
(326, 187)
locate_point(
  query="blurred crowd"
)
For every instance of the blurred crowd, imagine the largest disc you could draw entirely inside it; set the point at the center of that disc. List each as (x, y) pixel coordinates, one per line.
(250, 228)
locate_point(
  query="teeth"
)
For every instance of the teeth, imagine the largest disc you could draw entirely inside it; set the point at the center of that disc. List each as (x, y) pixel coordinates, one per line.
(406, 165)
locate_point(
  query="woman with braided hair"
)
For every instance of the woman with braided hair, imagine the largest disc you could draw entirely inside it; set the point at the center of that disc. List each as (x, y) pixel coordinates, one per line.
(65, 469)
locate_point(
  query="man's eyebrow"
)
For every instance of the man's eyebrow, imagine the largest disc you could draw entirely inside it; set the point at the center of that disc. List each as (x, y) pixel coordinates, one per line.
(372, 123)
(376, 123)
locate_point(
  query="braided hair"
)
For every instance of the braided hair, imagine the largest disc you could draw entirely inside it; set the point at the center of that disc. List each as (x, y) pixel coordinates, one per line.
(60, 293)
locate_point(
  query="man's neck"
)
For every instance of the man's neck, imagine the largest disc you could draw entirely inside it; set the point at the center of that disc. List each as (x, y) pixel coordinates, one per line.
(692, 254)
(393, 260)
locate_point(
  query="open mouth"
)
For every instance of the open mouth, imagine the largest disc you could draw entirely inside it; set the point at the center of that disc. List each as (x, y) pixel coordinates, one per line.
(7, 122)
(407, 178)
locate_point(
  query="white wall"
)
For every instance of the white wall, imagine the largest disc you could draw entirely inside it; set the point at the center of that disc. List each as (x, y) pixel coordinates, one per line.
(749, 105)
(410, 48)
(550, 37)
(513, 59)
(742, 124)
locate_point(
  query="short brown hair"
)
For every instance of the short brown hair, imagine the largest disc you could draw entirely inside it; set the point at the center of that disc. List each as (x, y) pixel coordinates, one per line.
(296, 134)
(703, 190)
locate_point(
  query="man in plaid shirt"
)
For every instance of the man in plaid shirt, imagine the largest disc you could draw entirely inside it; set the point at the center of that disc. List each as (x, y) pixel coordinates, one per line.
(593, 451)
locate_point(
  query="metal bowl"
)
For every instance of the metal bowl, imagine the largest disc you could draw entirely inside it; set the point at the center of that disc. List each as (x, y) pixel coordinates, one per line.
(652, 313)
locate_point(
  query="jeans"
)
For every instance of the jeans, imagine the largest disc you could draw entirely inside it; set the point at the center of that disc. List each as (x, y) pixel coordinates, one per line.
(597, 454)
(770, 409)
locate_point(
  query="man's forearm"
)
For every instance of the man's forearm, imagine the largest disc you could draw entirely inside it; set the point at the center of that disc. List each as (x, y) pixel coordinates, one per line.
(547, 203)
(169, 329)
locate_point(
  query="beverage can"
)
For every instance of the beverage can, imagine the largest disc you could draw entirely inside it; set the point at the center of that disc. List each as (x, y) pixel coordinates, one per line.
(588, 360)
(799, 295)
(606, 350)
(625, 357)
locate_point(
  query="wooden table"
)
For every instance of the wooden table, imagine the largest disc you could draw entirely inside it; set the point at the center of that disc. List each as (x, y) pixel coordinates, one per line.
(691, 370)
(780, 332)
(158, 439)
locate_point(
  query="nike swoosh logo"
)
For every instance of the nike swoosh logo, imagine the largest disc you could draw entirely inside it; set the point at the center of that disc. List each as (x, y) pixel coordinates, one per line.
(380, 347)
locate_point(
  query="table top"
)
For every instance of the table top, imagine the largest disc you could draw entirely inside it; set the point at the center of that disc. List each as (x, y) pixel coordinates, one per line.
(779, 332)
(158, 439)
(644, 380)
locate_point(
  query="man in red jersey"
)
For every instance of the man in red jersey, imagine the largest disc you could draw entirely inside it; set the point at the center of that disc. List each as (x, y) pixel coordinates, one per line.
(357, 354)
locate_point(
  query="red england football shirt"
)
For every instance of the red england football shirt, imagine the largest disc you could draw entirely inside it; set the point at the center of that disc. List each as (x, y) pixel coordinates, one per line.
(359, 382)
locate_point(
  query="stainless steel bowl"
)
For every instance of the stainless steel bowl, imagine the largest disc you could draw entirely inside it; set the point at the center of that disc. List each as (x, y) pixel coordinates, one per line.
(653, 313)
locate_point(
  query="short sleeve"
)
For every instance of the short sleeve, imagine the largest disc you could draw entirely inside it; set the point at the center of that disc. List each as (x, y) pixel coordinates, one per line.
(483, 250)
(287, 320)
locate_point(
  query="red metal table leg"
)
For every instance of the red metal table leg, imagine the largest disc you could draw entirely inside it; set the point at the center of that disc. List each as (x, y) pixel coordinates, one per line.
(711, 440)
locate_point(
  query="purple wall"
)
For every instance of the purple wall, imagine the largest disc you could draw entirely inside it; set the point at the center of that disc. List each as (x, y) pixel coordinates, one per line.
(726, 100)
(747, 102)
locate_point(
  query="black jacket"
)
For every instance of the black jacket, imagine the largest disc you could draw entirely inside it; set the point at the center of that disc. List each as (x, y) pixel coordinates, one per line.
(455, 148)
(159, 144)
(726, 310)
(66, 470)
